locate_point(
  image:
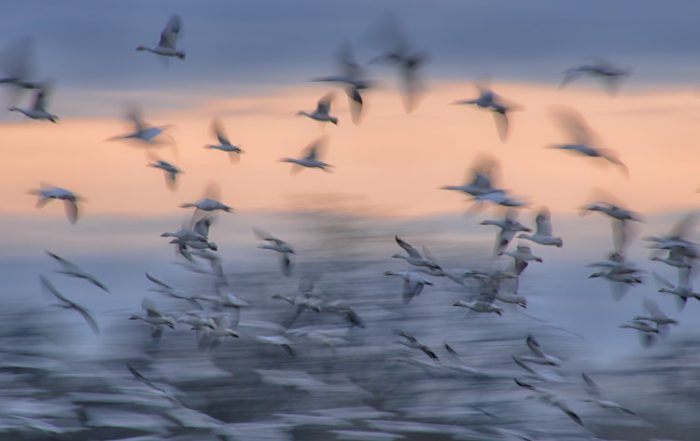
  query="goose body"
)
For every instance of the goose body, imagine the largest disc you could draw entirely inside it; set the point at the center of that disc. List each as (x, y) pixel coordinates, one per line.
(168, 39)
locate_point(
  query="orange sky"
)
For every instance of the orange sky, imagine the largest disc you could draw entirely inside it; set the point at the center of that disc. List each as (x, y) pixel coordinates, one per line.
(393, 163)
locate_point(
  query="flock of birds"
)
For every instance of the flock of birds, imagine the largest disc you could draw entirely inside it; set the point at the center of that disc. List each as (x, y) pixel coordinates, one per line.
(216, 317)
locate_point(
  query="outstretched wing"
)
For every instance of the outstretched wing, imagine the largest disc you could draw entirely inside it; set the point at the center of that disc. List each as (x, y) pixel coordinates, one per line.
(408, 248)
(168, 36)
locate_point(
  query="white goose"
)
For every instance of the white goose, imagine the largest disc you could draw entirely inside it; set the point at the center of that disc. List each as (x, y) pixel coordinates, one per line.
(168, 38)
(70, 200)
(68, 304)
(38, 110)
(413, 256)
(508, 227)
(351, 78)
(143, 132)
(72, 270)
(154, 317)
(413, 283)
(224, 144)
(278, 245)
(543, 234)
(170, 170)
(583, 139)
(489, 100)
(322, 112)
(310, 158)
(207, 204)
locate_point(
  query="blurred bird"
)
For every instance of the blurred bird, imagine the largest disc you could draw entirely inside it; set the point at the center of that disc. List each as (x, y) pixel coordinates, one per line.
(522, 255)
(322, 110)
(278, 245)
(68, 304)
(682, 291)
(38, 109)
(396, 49)
(488, 100)
(620, 218)
(170, 172)
(70, 200)
(413, 256)
(413, 283)
(551, 399)
(599, 398)
(508, 226)
(153, 317)
(145, 134)
(583, 139)
(207, 204)
(479, 305)
(647, 333)
(72, 270)
(224, 145)
(164, 288)
(17, 66)
(543, 234)
(678, 239)
(168, 38)
(479, 179)
(656, 315)
(538, 354)
(310, 158)
(412, 342)
(351, 78)
(610, 75)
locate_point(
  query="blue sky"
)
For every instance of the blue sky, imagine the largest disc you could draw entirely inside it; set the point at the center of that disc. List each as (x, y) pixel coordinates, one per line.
(91, 44)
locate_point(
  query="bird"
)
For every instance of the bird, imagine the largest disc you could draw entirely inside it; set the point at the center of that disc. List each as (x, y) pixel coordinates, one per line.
(70, 199)
(678, 239)
(396, 49)
(224, 144)
(479, 305)
(521, 257)
(543, 233)
(413, 283)
(310, 158)
(647, 332)
(69, 304)
(168, 38)
(599, 398)
(551, 399)
(656, 315)
(620, 218)
(508, 226)
(72, 270)
(412, 342)
(351, 78)
(278, 245)
(164, 288)
(609, 74)
(682, 291)
(207, 204)
(145, 134)
(170, 172)
(17, 65)
(583, 139)
(539, 356)
(489, 100)
(322, 110)
(153, 317)
(38, 109)
(413, 256)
